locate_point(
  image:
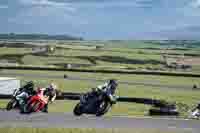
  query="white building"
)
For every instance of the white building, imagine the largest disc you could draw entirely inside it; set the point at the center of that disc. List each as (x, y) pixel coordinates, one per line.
(7, 85)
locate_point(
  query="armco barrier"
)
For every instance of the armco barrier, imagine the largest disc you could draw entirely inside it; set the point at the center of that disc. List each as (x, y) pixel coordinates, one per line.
(103, 71)
(76, 96)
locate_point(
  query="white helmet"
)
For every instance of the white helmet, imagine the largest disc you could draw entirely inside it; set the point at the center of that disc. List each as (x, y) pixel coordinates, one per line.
(53, 86)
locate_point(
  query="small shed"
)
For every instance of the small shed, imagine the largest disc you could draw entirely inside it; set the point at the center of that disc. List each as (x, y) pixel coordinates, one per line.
(7, 85)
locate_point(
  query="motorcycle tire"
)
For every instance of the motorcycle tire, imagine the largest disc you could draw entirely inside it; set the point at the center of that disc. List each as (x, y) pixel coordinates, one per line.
(104, 109)
(77, 110)
(11, 104)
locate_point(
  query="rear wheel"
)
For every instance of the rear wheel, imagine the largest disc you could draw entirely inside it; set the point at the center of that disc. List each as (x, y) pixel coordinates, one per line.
(11, 104)
(77, 110)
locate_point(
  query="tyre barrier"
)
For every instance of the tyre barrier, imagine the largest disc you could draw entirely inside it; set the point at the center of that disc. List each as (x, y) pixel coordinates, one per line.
(163, 112)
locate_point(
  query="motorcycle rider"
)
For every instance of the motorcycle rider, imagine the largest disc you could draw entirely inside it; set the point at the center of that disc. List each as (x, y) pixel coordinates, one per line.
(51, 92)
(108, 87)
(26, 91)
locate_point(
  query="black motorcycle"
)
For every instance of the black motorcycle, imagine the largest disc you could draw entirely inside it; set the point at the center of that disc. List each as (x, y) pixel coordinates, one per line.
(97, 104)
(13, 103)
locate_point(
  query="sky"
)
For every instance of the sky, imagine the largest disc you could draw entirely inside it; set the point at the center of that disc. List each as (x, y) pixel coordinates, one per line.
(103, 19)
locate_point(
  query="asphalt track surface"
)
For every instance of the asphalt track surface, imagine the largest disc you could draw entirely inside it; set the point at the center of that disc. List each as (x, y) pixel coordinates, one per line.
(156, 85)
(67, 120)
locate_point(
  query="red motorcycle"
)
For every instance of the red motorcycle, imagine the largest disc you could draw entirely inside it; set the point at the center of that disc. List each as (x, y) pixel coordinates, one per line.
(36, 103)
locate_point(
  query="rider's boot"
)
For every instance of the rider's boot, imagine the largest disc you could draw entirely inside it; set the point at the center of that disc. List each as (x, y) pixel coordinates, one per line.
(22, 107)
(195, 113)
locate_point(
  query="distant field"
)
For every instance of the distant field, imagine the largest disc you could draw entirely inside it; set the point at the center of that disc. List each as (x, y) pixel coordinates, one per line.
(117, 55)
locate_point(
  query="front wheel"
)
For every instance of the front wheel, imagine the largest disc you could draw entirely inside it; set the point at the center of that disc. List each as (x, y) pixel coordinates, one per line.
(11, 104)
(77, 110)
(103, 108)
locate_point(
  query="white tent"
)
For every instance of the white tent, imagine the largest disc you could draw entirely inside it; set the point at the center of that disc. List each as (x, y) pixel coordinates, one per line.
(7, 85)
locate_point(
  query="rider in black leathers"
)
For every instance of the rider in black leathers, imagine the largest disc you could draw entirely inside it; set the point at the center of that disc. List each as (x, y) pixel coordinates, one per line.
(109, 87)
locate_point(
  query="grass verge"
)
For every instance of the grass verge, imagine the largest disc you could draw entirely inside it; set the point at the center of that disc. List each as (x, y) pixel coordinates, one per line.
(86, 130)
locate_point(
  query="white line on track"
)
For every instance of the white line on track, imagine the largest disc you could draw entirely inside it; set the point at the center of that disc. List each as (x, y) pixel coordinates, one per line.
(148, 117)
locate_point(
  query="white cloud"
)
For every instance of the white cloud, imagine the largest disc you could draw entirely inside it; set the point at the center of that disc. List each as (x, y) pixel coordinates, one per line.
(47, 3)
(195, 3)
(46, 14)
(3, 7)
(191, 9)
(110, 4)
(42, 3)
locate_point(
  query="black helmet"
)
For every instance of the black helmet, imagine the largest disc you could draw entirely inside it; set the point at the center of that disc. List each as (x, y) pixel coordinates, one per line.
(113, 83)
(29, 85)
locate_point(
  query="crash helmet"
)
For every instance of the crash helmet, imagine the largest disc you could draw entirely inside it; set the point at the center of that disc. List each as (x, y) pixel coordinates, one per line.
(52, 86)
(29, 87)
(51, 90)
(113, 84)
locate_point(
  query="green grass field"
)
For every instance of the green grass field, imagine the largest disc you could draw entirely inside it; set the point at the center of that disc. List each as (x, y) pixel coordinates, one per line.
(114, 55)
(118, 55)
(163, 80)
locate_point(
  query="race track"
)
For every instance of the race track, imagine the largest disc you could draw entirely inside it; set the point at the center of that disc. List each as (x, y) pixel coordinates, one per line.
(67, 120)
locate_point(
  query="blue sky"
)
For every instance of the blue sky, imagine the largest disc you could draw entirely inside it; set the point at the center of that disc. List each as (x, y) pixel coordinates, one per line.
(103, 19)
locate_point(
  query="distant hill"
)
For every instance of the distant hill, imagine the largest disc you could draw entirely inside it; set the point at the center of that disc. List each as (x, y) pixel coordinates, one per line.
(38, 37)
(183, 33)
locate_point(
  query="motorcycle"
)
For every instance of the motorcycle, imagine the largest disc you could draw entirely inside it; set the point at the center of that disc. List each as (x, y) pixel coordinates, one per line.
(13, 103)
(36, 103)
(97, 105)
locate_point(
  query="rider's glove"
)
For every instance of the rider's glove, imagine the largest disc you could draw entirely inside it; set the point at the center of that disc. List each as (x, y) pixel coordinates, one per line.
(113, 99)
(116, 97)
